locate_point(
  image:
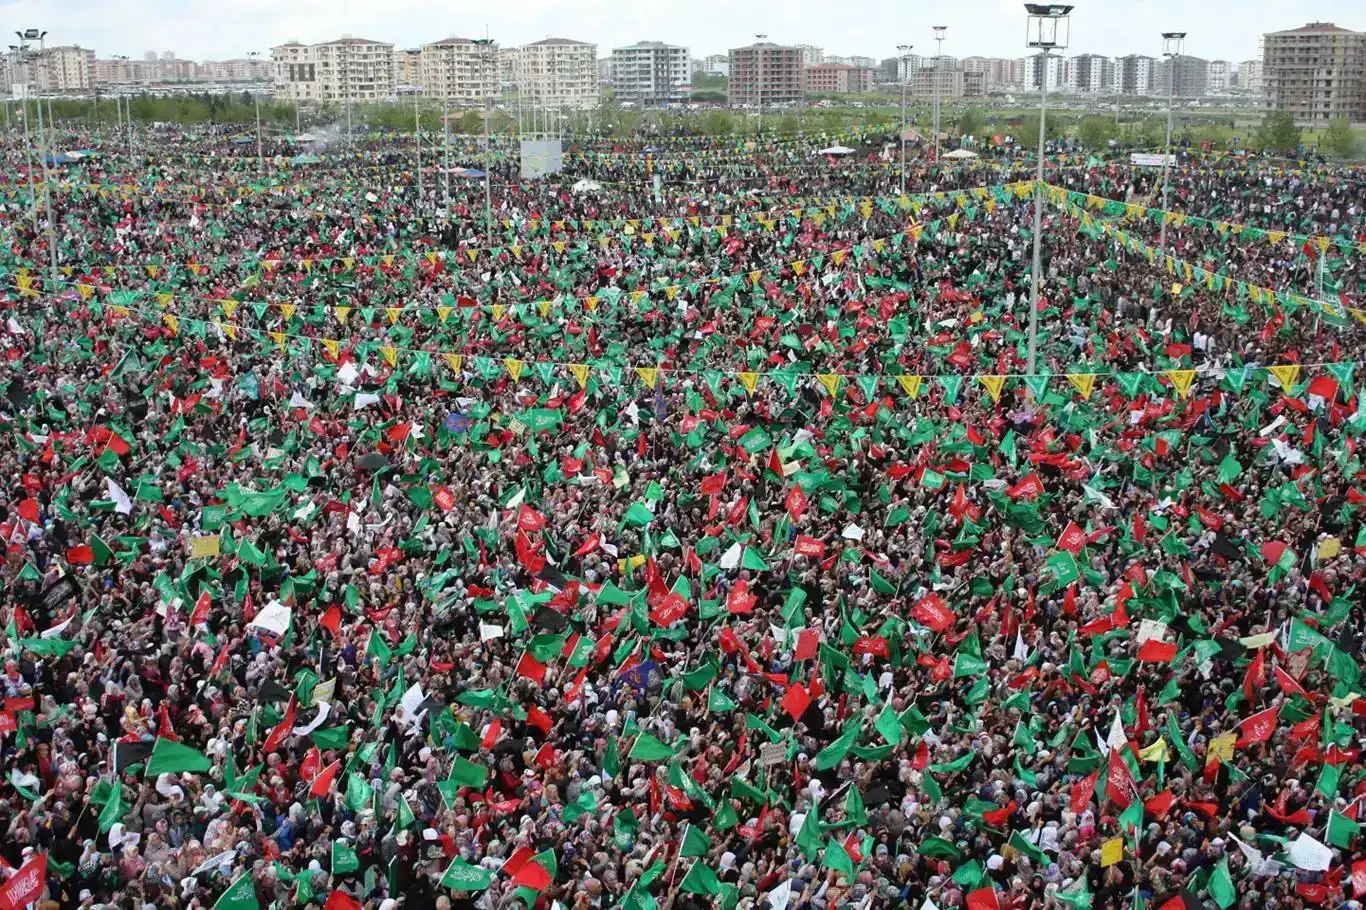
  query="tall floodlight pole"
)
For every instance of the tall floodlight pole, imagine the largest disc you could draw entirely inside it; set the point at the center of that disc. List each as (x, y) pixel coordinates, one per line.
(938, 55)
(485, 56)
(20, 52)
(1172, 45)
(446, 151)
(346, 90)
(1047, 29)
(118, 103)
(417, 139)
(905, 73)
(256, 97)
(39, 35)
(759, 78)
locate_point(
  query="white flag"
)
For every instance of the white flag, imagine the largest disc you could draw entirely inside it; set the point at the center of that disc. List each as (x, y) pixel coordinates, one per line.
(779, 896)
(731, 558)
(1307, 853)
(122, 504)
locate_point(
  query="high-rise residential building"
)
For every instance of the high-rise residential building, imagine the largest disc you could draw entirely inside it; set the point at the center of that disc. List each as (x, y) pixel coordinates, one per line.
(766, 73)
(64, 68)
(974, 84)
(836, 59)
(507, 66)
(716, 65)
(1134, 74)
(886, 70)
(869, 62)
(1250, 76)
(1192, 76)
(1220, 76)
(811, 55)
(333, 72)
(558, 73)
(239, 70)
(407, 69)
(908, 66)
(1090, 74)
(1045, 72)
(943, 83)
(838, 79)
(462, 71)
(995, 69)
(1316, 73)
(651, 73)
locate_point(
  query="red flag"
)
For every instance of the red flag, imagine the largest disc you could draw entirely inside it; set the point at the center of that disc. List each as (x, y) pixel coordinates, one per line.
(1072, 539)
(282, 730)
(739, 600)
(308, 768)
(984, 899)
(1359, 877)
(1029, 488)
(80, 556)
(931, 611)
(1258, 728)
(1160, 804)
(796, 502)
(1255, 676)
(795, 702)
(1082, 791)
(25, 885)
(1119, 781)
(538, 719)
(1290, 686)
(200, 614)
(528, 519)
(524, 872)
(340, 900)
(322, 784)
(1157, 652)
(809, 546)
(531, 668)
(808, 644)
(331, 620)
(491, 734)
(164, 728)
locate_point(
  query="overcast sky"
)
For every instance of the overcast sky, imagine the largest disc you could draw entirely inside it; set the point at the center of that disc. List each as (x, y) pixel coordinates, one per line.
(216, 29)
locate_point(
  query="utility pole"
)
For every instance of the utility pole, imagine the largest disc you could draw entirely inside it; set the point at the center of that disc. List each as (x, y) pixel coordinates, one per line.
(759, 81)
(39, 35)
(260, 154)
(905, 50)
(1172, 45)
(938, 56)
(485, 57)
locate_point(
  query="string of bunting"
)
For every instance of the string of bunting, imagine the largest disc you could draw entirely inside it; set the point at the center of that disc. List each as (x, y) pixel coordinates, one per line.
(1290, 378)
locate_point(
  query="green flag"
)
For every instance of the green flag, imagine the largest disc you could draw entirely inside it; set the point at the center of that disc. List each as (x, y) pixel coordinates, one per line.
(461, 876)
(173, 758)
(647, 748)
(241, 895)
(836, 858)
(695, 843)
(701, 880)
(1221, 885)
(1341, 830)
(344, 858)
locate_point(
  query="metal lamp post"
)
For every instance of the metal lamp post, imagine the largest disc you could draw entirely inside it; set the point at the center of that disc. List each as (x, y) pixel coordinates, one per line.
(20, 52)
(485, 57)
(1047, 29)
(759, 78)
(938, 55)
(1172, 45)
(256, 97)
(905, 50)
(118, 104)
(25, 37)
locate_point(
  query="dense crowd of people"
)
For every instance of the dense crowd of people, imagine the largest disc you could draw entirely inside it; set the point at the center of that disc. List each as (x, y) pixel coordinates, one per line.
(734, 540)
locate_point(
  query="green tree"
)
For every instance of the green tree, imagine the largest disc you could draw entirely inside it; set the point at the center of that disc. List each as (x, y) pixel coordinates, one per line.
(970, 123)
(717, 123)
(1278, 133)
(1096, 132)
(1027, 133)
(1339, 139)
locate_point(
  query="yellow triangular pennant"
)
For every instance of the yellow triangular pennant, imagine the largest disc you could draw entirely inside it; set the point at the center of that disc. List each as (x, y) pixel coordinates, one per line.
(229, 306)
(909, 384)
(993, 385)
(580, 371)
(393, 313)
(749, 380)
(342, 312)
(287, 311)
(514, 367)
(831, 381)
(390, 354)
(443, 313)
(278, 338)
(648, 375)
(455, 361)
(172, 323)
(332, 347)
(1285, 374)
(1083, 383)
(1181, 380)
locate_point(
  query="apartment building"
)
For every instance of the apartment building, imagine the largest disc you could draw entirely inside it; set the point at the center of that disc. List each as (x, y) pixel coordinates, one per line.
(407, 69)
(1250, 76)
(651, 73)
(1089, 74)
(838, 79)
(716, 65)
(811, 55)
(347, 70)
(1220, 76)
(559, 73)
(1048, 73)
(937, 83)
(1191, 74)
(1134, 74)
(766, 73)
(1316, 73)
(996, 70)
(240, 70)
(65, 68)
(462, 71)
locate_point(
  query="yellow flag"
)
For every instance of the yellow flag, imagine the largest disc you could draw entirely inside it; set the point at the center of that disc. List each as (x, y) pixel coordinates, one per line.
(228, 329)
(342, 312)
(749, 380)
(393, 313)
(85, 290)
(151, 271)
(648, 375)
(455, 361)
(1083, 383)
(206, 547)
(287, 311)
(1285, 374)
(498, 310)
(172, 323)
(837, 257)
(591, 303)
(580, 371)
(431, 257)
(993, 385)
(514, 367)
(1112, 852)
(390, 354)
(909, 384)
(229, 306)
(637, 297)
(544, 307)
(1181, 380)
(348, 262)
(443, 313)
(1156, 752)
(332, 346)
(473, 254)
(516, 251)
(558, 245)
(755, 276)
(671, 291)
(798, 267)
(279, 339)
(307, 264)
(831, 381)
(1222, 746)
(1275, 237)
